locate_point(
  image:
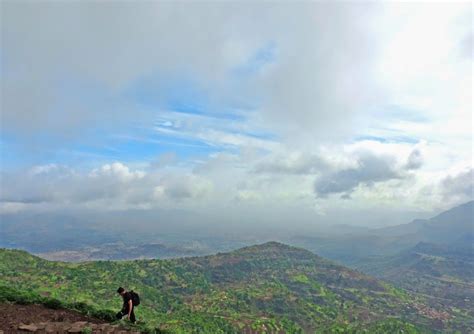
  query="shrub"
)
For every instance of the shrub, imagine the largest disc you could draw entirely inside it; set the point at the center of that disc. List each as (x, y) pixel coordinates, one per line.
(107, 315)
(86, 330)
(9, 294)
(53, 304)
(81, 307)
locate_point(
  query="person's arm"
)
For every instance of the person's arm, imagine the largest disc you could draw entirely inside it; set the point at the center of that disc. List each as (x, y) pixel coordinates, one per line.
(130, 307)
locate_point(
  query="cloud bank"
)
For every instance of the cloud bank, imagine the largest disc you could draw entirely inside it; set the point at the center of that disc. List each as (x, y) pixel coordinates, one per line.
(236, 108)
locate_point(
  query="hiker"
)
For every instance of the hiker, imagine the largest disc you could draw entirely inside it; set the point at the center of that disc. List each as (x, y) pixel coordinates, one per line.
(130, 300)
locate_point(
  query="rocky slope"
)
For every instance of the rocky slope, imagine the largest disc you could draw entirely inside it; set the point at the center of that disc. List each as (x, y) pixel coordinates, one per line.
(40, 319)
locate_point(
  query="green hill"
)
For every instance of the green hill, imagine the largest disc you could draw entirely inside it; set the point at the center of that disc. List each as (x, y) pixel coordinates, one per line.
(444, 274)
(270, 288)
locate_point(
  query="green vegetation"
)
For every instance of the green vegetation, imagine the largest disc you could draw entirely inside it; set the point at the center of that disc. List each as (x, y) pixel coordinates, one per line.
(263, 289)
(9, 294)
(87, 330)
(442, 274)
(392, 326)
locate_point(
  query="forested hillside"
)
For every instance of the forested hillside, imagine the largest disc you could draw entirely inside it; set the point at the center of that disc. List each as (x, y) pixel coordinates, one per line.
(264, 288)
(443, 274)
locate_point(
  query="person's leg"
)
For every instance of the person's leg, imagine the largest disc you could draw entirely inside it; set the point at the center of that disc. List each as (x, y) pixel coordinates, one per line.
(132, 315)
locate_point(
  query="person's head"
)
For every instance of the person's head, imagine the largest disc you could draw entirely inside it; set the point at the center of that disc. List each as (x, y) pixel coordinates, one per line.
(120, 291)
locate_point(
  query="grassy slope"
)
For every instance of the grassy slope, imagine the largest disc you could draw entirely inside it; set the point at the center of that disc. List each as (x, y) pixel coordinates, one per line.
(443, 274)
(268, 287)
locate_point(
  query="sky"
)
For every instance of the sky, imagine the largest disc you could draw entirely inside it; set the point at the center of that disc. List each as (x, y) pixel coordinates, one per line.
(271, 113)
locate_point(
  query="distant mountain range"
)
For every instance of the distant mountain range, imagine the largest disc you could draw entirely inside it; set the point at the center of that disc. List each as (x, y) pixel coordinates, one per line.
(452, 227)
(440, 265)
(432, 258)
(274, 286)
(267, 288)
(62, 237)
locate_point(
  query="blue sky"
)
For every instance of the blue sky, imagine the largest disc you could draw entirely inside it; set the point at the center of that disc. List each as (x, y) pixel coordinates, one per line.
(149, 129)
(239, 107)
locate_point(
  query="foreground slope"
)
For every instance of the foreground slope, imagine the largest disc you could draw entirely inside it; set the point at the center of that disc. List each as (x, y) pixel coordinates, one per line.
(264, 288)
(31, 318)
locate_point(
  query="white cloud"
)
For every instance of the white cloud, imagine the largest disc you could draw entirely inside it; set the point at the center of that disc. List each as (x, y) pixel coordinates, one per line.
(43, 169)
(459, 187)
(117, 170)
(292, 163)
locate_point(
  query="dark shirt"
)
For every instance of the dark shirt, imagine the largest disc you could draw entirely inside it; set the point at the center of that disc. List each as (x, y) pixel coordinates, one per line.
(127, 296)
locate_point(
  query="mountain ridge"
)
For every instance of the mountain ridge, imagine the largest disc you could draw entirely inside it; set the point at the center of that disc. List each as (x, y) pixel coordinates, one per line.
(270, 287)
(447, 226)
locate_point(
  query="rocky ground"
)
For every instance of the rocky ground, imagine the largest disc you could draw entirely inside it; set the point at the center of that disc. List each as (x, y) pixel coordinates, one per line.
(39, 319)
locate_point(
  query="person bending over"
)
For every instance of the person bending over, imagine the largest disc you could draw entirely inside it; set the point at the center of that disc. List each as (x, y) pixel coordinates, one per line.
(127, 308)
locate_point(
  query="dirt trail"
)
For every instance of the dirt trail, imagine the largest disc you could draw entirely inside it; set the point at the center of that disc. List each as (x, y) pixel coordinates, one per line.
(39, 319)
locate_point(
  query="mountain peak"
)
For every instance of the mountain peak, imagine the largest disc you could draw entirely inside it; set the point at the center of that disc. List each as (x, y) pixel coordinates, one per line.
(274, 250)
(272, 246)
(462, 211)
